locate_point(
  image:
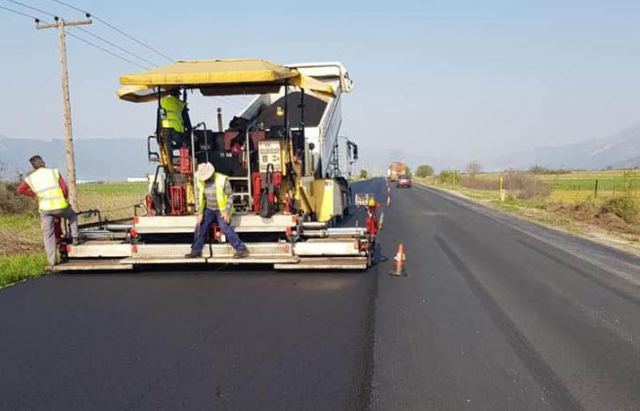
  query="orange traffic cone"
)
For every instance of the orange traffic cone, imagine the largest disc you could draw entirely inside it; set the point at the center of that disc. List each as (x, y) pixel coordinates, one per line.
(400, 259)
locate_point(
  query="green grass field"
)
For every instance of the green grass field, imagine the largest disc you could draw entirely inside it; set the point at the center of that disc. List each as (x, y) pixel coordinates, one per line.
(569, 198)
(21, 250)
(114, 200)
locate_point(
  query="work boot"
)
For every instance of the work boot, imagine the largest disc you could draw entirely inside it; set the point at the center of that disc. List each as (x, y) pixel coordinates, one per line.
(193, 254)
(241, 253)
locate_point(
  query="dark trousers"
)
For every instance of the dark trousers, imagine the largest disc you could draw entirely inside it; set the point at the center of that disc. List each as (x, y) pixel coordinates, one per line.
(173, 138)
(202, 231)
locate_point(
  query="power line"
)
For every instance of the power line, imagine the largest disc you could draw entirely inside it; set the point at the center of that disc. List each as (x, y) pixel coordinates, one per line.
(111, 26)
(112, 44)
(109, 52)
(228, 99)
(32, 8)
(19, 13)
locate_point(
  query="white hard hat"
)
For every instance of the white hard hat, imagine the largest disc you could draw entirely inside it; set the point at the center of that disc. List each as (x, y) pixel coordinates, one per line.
(205, 171)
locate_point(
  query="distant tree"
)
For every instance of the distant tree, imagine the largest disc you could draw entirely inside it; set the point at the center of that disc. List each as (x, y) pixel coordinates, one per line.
(424, 170)
(364, 174)
(407, 170)
(473, 168)
(449, 177)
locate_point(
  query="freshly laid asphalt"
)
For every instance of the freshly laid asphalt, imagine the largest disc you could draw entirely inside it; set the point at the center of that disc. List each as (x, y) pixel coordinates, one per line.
(494, 314)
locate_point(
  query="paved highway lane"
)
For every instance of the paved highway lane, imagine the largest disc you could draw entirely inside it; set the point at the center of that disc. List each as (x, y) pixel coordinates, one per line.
(230, 339)
(495, 314)
(500, 314)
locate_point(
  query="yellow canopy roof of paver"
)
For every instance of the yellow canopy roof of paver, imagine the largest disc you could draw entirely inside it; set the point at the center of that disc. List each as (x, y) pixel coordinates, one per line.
(209, 72)
(216, 77)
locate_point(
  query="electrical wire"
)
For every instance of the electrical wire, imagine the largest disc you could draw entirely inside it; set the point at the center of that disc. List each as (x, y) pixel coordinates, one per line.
(236, 103)
(112, 44)
(109, 52)
(111, 26)
(32, 8)
(19, 13)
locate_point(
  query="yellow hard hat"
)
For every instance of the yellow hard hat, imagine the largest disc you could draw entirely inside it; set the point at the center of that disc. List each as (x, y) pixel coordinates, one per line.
(371, 202)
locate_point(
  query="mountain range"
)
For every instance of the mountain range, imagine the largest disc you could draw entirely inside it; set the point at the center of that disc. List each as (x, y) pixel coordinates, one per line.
(119, 159)
(96, 159)
(622, 150)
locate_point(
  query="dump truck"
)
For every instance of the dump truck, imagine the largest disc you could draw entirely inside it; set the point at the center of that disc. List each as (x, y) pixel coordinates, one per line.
(278, 154)
(396, 169)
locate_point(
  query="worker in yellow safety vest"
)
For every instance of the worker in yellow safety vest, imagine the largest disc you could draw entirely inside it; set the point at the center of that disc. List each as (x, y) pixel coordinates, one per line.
(174, 125)
(49, 188)
(214, 206)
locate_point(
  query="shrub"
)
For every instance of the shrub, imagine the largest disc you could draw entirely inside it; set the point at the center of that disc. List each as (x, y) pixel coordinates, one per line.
(624, 207)
(479, 183)
(526, 185)
(473, 168)
(546, 170)
(424, 170)
(11, 203)
(449, 177)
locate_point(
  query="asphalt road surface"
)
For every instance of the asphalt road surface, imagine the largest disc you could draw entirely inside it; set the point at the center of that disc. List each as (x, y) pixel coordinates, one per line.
(495, 313)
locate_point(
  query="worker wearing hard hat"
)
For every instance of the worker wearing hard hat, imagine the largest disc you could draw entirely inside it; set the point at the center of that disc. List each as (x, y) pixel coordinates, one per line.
(48, 186)
(214, 206)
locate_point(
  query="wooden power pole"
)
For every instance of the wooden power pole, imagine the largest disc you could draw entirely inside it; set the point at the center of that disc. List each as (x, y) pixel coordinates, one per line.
(60, 24)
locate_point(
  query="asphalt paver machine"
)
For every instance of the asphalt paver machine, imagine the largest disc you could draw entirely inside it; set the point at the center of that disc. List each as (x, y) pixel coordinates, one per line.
(277, 153)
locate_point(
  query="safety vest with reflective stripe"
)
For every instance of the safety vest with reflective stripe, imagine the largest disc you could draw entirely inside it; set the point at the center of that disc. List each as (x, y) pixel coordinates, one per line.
(172, 108)
(220, 181)
(45, 183)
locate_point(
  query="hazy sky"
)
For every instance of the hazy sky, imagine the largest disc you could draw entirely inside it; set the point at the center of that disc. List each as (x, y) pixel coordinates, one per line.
(461, 79)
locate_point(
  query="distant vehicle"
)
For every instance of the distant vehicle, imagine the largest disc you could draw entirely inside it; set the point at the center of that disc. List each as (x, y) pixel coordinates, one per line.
(396, 169)
(403, 181)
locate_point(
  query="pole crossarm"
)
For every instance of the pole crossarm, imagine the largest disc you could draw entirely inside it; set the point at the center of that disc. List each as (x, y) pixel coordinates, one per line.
(42, 26)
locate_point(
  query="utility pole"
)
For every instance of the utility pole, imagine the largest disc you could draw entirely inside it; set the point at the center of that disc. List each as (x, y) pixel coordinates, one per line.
(60, 24)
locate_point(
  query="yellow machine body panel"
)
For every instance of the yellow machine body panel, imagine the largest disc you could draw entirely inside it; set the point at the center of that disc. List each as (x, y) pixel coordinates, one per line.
(327, 199)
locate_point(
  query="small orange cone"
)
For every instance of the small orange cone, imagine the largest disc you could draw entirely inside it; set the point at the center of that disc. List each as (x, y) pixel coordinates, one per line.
(400, 260)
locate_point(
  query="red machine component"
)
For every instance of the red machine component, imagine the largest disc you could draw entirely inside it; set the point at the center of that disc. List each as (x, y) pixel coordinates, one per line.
(176, 200)
(216, 233)
(228, 138)
(372, 219)
(149, 204)
(287, 204)
(236, 149)
(256, 137)
(257, 188)
(184, 166)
